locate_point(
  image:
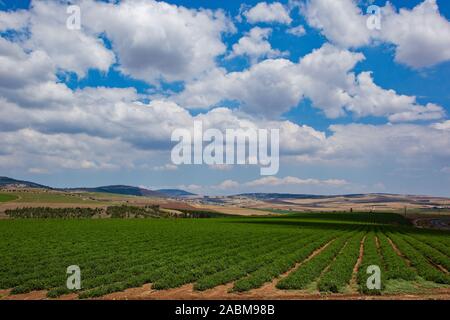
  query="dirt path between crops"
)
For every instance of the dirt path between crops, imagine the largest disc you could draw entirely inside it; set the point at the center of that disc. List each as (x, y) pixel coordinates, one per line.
(398, 252)
(354, 280)
(186, 292)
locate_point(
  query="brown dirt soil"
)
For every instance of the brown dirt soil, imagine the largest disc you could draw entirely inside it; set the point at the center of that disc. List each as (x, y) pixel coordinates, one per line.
(34, 295)
(234, 210)
(358, 263)
(186, 292)
(397, 251)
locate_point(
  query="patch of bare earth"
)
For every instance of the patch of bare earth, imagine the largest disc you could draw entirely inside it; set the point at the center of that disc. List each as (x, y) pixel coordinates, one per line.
(187, 292)
(222, 292)
(353, 281)
(34, 295)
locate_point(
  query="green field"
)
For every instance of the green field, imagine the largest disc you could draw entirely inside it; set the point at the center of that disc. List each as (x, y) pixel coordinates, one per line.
(50, 197)
(115, 254)
(7, 197)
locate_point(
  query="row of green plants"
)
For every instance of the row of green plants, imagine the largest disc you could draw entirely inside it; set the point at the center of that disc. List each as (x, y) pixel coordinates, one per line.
(423, 267)
(281, 264)
(436, 242)
(164, 273)
(340, 271)
(371, 257)
(396, 266)
(149, 267)
(312, 269)
(249, 264)
(434, 255)
(115, 254)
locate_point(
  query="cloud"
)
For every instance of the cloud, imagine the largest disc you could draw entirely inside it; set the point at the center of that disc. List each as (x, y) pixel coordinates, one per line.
(13, 20)
(421, 36)
(266, 88)
(35, 67)
(38, 171)
(47, 126)
(268, 13)
(397, 144)
(166, 167)
(135, 30)
(126, 133)
(255, 45)
(342, 22)
(28, 148)
(297, 31)
(442, 125)
(289, 180)
(370, 99)
(71, 50)
(274, 86)
(155, 40)
(227, 185)
(221, 167)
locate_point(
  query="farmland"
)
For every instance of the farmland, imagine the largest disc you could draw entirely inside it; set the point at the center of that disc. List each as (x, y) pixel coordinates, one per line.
(289, 256)
(7, 197)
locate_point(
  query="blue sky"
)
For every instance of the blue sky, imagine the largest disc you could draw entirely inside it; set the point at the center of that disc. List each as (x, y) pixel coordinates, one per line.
(359, 110)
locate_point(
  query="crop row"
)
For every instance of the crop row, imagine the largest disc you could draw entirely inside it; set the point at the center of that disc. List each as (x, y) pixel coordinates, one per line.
(311, 269)
(190, 269)
(249, 265)
(431, 253)
(396, 266)
(150, 268)
(371, 257)
(340, 271)
(280, 265)
(418, 261)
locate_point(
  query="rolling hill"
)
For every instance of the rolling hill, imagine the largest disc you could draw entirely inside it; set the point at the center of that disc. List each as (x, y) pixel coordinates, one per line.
(122, 189)
(9, 182)
(175, 193)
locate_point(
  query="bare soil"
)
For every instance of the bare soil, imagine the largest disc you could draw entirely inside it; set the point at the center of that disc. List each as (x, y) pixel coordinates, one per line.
(186, 292)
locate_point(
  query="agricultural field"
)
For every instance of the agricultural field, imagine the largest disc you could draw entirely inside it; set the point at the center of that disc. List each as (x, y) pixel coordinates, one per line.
(295, 256)
(7, 197)
(47, 197)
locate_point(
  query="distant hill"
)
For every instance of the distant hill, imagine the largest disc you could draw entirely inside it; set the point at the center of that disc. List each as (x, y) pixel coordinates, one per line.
(9, 182)
(116, 189)
(122, 189)
(175, 193)
(265, 196)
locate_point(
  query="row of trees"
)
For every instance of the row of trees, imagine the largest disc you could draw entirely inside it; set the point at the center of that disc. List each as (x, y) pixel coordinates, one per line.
(47, 213)
(123, 212)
